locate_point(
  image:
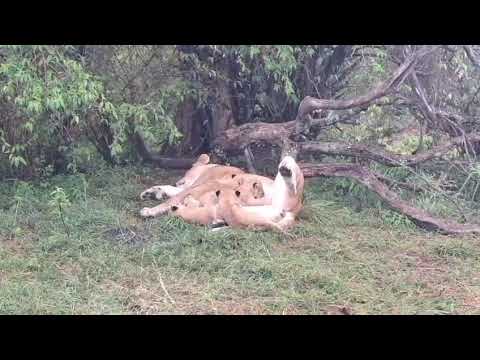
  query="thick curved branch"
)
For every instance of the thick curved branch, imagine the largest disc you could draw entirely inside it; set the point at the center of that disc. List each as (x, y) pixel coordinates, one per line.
(234, 140)
(370, 179)
(310, 104)
(403, 185)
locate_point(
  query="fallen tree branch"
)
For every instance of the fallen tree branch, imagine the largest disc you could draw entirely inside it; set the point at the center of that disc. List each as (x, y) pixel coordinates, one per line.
(403, 185)
(234, 140)
(162, 162)
(370, 179)
(172, 163)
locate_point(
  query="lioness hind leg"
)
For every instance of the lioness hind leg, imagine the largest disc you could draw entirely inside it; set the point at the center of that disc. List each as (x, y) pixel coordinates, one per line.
(287, 169)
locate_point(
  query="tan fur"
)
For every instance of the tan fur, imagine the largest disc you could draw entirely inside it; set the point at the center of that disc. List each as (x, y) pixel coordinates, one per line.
(293, 196)
(198, 169)
(251, 192)
(232, 211)
(201, 172)
(203, 215)
(210, 193)
(280, 213)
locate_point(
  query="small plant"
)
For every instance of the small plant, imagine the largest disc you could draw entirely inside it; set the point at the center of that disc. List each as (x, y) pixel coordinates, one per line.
(59, 201)
(22, 191)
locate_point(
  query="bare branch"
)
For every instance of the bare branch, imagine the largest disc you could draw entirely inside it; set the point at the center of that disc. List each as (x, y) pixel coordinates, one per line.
(380, 155)
(369, 179)
(403, 185)
(234, 140)
(310, 104)
(250, 160)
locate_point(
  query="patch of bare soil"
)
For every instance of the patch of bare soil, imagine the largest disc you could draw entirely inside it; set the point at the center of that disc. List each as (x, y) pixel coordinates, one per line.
(169, 295)
(130, 235)
(438, 281)
(13, 245)
(338, 310)
(298, 244)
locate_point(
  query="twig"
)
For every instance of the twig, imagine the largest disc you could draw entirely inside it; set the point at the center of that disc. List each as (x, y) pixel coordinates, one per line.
(250, 160)
(164, 288)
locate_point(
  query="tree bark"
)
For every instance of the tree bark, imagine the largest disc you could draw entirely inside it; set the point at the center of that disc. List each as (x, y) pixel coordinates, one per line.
(234, 140)
(163, 162)
(382, 156)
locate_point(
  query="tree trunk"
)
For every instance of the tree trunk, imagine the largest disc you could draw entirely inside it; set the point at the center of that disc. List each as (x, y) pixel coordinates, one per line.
(234, 141)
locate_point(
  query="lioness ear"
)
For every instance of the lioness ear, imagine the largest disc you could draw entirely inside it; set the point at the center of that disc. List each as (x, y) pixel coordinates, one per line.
(217, 193)
(174, 208)
(203, 159)
(237, 193)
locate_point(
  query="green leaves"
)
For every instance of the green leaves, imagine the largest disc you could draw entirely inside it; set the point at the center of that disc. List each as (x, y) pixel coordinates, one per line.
(58, 202)
(58, 198)
(15, 153)
(16, 161)
(52, 95)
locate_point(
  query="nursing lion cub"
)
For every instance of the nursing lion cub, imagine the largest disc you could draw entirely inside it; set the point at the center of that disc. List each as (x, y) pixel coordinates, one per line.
(202, 171)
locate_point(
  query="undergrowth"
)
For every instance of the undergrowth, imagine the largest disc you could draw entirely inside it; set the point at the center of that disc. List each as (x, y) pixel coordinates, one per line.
(75, 245)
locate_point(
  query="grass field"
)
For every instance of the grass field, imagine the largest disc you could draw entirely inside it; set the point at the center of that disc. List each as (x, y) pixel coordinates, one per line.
(95, 256)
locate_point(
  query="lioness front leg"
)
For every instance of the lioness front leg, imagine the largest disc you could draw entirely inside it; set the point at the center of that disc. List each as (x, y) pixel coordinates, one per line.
(160, 192)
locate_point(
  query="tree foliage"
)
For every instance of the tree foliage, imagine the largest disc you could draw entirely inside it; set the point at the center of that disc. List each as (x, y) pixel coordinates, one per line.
(64, 107)
(55, 98)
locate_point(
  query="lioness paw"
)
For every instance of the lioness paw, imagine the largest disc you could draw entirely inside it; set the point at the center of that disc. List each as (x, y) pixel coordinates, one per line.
(285, 171)
(154, 193)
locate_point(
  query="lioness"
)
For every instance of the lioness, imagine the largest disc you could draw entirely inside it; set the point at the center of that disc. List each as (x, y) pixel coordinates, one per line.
(286, 195)
(250, 188)
(200, 173)
(203, 179)
(226, 194)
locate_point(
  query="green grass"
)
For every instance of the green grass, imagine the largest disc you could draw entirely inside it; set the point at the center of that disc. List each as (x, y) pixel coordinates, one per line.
(337, 260)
